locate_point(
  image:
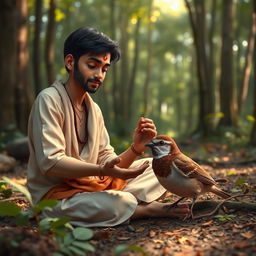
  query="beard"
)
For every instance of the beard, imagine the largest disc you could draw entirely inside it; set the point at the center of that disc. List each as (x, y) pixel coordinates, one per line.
(84, 82)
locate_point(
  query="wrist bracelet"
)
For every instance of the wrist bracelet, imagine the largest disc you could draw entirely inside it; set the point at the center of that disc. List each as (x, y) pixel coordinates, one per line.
(135, 151)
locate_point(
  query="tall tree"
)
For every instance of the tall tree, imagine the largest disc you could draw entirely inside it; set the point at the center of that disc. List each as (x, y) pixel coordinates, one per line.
(36, 47)
(130, 102)
(227, 100)
(197, 15)
(248, 64)
(253, 132)
(22, 102)
(8, 54)
(149, 59)
(49, 43)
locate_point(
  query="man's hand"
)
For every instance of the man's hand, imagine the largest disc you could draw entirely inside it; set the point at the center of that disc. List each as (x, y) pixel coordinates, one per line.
(144, 132)
(110, 168)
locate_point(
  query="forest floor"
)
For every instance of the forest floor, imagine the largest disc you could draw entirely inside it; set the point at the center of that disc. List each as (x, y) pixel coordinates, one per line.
(229, 233)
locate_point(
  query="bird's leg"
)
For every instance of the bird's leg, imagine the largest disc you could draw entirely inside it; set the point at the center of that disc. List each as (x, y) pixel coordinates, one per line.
(191, 215)
(169, 206)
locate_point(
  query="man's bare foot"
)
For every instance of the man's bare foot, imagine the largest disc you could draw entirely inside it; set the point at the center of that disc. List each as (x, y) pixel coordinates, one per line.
(156, 209)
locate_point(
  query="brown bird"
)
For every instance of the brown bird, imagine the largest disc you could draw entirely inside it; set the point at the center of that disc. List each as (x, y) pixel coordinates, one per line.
(178, 173)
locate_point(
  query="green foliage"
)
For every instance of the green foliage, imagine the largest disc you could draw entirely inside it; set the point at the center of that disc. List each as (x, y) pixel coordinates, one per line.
(20, 188)
(5, 192)
(225, 217)
(119, 144)
(9, 209)
(124, 247)
(75, 243)
(70, 244)
(9, 134)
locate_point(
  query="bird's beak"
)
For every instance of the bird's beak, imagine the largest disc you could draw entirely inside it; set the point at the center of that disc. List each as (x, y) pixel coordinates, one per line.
(150, 144)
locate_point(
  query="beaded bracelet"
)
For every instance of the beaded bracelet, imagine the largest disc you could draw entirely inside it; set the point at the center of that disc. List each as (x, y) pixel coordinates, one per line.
(135, 151)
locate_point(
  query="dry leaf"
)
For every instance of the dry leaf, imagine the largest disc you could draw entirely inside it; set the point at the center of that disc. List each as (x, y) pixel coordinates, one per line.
(248, 235)
(139, 229)
(152, 233)
(183, 239)
(208, 223)
(241, 244)
(123, 238)
(157, 241)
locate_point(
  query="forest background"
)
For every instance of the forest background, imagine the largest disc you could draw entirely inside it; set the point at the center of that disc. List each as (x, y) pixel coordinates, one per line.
(188, 65)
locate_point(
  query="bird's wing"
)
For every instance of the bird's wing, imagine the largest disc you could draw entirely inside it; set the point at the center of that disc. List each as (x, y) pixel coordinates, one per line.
(193, 170)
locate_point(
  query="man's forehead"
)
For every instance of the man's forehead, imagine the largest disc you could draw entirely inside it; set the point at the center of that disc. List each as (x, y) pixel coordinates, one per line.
(102, 56)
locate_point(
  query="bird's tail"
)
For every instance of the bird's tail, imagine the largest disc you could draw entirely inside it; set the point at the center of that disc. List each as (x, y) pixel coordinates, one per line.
(220, 192)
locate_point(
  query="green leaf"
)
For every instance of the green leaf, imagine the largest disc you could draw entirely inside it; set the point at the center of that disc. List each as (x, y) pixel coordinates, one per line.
(45, 225)
(22, 218)
(9, 209)
(14, 244)
(47, 204)
(57, 254)
(60, 222)
(82, 233)
(68, 239)
(7, 193)
(20, 187)
(123, 247)
(240, 181)
(84, 245)
(66, 251)
(77, 250)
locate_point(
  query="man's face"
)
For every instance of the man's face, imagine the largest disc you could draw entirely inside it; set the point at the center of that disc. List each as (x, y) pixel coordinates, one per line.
(90, 71)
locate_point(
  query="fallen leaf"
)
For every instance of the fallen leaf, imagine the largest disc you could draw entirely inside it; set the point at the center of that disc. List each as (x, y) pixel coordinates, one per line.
(152, 233)
(157, 241)
(139, 229)
(168, 233)
(123, 238)
(208, 223)
(248, 235)
(183, 239)
(241, 244)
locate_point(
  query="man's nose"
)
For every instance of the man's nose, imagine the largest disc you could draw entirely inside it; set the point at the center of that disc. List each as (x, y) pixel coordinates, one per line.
(98, 74)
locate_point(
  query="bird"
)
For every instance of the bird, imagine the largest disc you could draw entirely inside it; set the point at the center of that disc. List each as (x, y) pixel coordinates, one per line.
(179, 174)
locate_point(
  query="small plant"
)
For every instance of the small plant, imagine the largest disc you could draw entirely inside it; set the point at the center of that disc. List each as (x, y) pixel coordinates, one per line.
(124, 247)
(71, 241)
(225, 217)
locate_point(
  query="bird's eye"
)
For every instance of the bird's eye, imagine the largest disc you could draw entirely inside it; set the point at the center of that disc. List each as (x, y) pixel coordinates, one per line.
(161, 142)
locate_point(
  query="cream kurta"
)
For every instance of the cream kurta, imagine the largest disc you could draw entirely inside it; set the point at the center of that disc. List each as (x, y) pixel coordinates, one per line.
(52, 137)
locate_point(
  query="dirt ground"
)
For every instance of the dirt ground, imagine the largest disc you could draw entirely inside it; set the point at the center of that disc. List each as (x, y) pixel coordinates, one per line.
(208, 236)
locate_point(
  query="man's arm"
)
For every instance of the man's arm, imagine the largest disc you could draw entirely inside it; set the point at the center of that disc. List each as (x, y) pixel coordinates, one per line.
(72, 168)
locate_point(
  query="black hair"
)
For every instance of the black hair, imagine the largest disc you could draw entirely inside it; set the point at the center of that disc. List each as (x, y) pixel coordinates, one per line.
(89, 40)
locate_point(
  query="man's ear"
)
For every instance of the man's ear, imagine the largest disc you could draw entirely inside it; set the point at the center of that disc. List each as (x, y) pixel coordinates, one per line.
(69, 61)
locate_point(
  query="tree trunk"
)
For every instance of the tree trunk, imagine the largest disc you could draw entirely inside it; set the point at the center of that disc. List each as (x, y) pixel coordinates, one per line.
(8, 52)
(227, 102)
(198, 19)
(122, 87)
(253, 132)
(22, 103)
(248, 63)
(149, 61)
(36, 47)
(130, 103)
(49, 44)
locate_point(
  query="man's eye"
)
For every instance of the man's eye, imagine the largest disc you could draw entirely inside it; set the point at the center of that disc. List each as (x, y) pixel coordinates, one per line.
(105, 70)
(91, 66)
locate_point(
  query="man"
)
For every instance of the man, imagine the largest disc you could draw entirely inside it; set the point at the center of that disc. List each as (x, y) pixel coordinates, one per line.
(71, 158)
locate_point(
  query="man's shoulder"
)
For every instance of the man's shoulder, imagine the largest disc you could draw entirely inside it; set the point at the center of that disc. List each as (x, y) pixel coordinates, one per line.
(49, 93)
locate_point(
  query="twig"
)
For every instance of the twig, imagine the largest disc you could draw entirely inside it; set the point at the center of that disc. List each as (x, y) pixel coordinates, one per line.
(233, 205)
